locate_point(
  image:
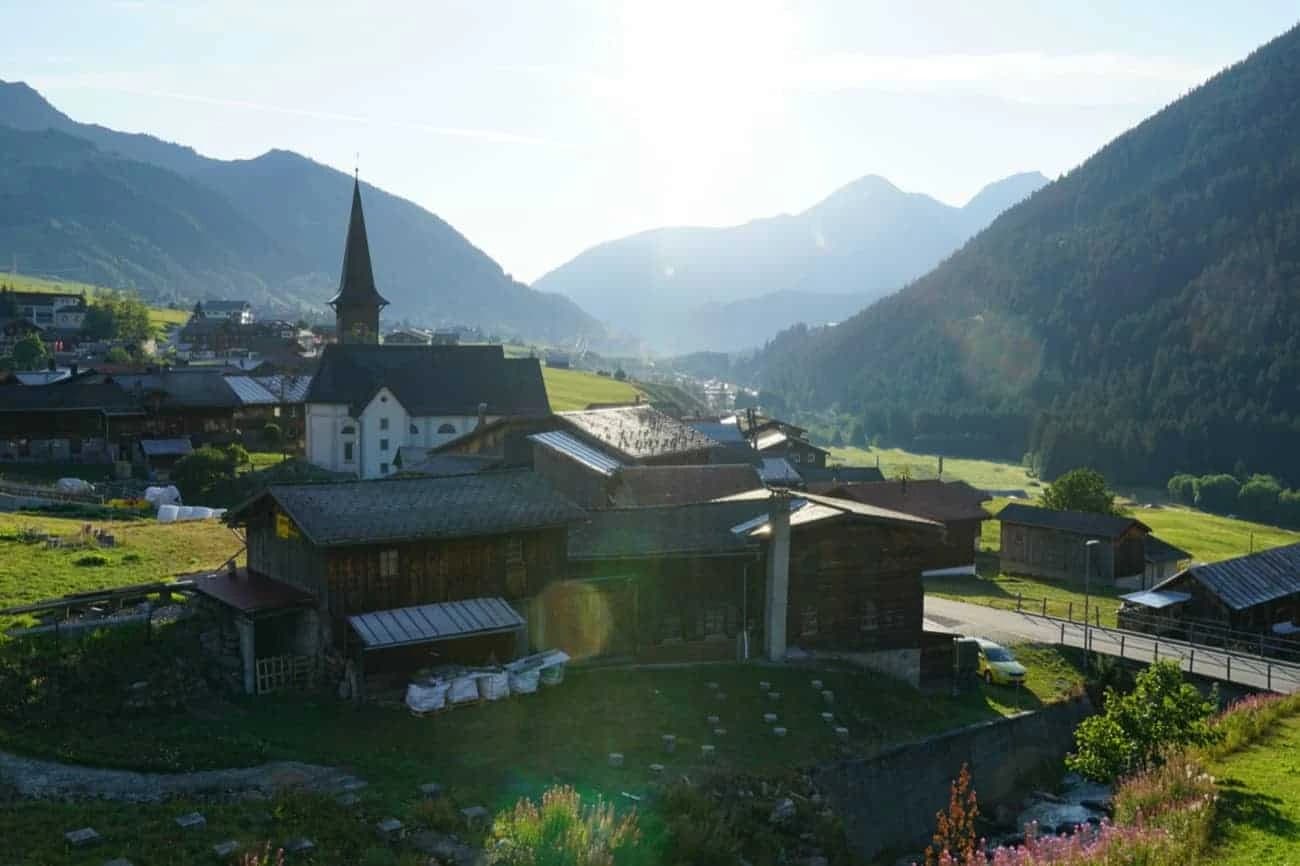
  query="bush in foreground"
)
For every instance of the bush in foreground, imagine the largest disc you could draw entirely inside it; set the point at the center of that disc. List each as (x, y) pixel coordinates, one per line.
(562, 831)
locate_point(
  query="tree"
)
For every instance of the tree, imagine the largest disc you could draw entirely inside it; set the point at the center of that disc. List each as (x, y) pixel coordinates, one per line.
(1258, 497)
(30, 353)
(1138, 729)
(117, 355)
(117, 316)
(196, 474)
(954, 833)
(1217, 493)
(1080, 490)
(272, 434)
(1182, 488)
(620, 375)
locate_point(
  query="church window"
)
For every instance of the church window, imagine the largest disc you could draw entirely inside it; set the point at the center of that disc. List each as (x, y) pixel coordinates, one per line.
(446, 429)
(383, 444)
(415, 431)
(347, 452)
(383, 468)
(383, 423)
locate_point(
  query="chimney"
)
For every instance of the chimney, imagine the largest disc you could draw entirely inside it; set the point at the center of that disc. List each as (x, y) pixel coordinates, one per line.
(776, 596)
(482, 415)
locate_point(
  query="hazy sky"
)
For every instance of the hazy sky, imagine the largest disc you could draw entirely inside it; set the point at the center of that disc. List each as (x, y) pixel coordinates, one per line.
(540, 128)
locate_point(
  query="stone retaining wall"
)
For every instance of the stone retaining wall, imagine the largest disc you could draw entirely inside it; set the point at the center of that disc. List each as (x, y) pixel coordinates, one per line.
(889, 802)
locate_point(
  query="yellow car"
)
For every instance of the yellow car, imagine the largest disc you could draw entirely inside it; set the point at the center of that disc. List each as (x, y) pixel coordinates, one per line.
(998, 665)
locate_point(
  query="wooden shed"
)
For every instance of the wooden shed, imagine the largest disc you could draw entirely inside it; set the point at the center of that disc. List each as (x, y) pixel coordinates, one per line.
(1042, 542)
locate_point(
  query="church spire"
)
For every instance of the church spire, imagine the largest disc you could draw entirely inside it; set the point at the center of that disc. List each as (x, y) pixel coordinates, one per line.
(357, 302)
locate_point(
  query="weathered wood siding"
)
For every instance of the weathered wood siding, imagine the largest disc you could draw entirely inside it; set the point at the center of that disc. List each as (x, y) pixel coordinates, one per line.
(292, 560)
(959, 545)
(856, 586)
(1058, 554)
(582, 486)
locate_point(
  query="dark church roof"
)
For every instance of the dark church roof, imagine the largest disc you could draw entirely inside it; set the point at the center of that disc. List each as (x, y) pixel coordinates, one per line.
(357, 282)
(431, 380)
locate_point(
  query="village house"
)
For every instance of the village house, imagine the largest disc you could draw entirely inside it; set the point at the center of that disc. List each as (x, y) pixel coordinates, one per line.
(1255, 594)
(396, 549)
(408, 337)
(779, 443)
(62, 310)
(366, 401)
(955, 504)
(1042, 542)
(234, 311)
(68, 421)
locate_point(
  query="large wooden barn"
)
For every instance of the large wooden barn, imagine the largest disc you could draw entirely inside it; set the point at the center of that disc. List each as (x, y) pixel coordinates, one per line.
(1046, 543)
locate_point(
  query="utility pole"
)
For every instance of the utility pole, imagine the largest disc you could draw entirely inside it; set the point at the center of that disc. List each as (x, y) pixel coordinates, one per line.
(1087, 597)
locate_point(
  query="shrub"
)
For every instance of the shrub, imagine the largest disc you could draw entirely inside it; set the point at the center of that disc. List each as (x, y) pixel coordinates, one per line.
(699, 831)
(1135, 730)
(954, 834)
(1258, 497)
(1217, 493)
(237, 453)
(196, 474)
(438, 814)
(562, 832)
(91, 560)
(272, 435)
(1248, 720)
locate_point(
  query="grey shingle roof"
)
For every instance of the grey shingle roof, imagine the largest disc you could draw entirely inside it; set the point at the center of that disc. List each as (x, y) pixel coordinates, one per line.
(1080, 522)
(680, 530)
(824, 475)
(409, 509)
(68, 396)
(189, 389)
(431, 380)
(1247, 581)
(937, 500)
(637, 432)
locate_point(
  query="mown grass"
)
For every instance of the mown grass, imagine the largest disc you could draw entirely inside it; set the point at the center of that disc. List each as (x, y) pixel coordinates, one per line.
(983, 474)
(1258, 817)
(493, 754)
(577, 389)
(145, 551)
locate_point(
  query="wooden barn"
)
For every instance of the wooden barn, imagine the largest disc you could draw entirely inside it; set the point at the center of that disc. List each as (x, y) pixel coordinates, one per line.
(397, 545)
(1258, 594)
(955, 504)
(1044, 543)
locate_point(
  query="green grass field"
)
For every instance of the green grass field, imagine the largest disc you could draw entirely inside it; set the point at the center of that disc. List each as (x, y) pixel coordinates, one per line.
(1258, 820)
(577, 389)
(145, 551)
(493, 753)
(984, 474)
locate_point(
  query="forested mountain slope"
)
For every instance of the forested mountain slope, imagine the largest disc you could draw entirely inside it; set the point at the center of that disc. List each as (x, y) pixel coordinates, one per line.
(280, 241)
(1141, 314)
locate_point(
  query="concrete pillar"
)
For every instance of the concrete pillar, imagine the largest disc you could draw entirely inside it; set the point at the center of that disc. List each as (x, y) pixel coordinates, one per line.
(247, 653)
(777, 589)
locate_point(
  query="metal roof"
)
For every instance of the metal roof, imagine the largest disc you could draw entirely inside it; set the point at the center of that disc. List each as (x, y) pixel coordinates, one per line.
(166, 447)
(778, 470)
(1247, 581)
(1156, 599)
(425, 623)
(770, 438)
(573, 448)
(251, 392)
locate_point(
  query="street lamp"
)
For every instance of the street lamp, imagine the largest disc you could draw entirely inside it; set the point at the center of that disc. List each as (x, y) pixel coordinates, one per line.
(1087, 584)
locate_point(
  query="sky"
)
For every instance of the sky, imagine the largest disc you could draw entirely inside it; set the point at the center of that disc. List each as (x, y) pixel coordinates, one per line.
(541, 128)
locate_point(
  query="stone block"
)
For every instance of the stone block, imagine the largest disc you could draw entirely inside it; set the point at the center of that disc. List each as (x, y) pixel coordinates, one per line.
(722, 696)
(670, 743)
(769, 718)
(780, 732)
(616, 759)
(475, 816)
(842, 732)
(431, 790)
(300, 845)
(224, 850)
(83, 838)
(389, 829)
(192, 821)
(352, 784)
(828, 717)
(776, 696)
(707, 752)
(711, 685)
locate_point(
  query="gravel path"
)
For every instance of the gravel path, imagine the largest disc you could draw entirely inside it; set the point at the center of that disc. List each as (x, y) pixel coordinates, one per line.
(47, 780)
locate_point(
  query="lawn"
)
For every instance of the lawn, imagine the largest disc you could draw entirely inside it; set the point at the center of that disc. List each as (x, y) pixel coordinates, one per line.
(577, 389)
(159, 317)
(984, 474)
(494, 753)
(1258, 820)
(145, 551)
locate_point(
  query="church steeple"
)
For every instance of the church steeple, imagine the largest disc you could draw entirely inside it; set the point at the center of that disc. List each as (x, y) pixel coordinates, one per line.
(358, 302)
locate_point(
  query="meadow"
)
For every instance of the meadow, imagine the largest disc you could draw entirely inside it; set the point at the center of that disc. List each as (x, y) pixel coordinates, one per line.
(160, 317)
(577, 389)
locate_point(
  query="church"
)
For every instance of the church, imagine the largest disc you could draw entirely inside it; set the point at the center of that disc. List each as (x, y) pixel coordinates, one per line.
(368, 400)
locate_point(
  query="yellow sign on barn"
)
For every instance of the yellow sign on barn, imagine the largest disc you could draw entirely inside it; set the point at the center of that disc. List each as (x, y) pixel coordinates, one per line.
(284, 527)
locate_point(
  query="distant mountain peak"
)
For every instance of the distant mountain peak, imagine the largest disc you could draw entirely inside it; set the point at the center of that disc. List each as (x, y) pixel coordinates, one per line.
(22, 107)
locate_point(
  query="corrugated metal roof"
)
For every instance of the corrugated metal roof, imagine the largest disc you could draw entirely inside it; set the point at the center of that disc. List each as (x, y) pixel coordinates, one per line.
(166, 447)
(425, 623)
(1247, 581)
(250, 392)
(778, 470)
(573, 448)
(1156, 599)
(286, 388)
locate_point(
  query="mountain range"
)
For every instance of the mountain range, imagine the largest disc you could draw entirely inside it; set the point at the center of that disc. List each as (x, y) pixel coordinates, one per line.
(690, 288)
(1140, 315)
(132, 211)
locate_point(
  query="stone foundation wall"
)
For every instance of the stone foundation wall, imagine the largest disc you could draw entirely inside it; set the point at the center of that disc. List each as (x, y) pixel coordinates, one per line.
(888, 802)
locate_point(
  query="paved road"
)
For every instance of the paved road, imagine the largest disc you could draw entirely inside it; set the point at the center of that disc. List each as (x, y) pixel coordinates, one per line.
(1011, 626)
